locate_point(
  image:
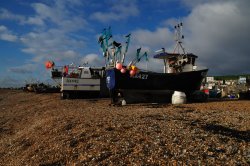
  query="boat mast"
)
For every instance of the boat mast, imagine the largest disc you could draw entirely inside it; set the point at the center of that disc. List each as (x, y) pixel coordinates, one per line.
(178, 49)
(178, 39)
(126, 49)
(112, 50)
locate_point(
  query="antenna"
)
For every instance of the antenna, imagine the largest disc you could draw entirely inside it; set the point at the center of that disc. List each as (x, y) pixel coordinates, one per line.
(178, 38)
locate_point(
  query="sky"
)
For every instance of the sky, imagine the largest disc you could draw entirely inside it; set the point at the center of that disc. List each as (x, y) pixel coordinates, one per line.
(66, 31)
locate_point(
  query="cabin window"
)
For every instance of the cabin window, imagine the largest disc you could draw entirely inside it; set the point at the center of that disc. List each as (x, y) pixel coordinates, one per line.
(172, 61)
(191, 60)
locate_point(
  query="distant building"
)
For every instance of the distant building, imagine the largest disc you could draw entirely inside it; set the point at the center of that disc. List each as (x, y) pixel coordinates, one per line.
(242, 80)
(210, 79)
(210, 82)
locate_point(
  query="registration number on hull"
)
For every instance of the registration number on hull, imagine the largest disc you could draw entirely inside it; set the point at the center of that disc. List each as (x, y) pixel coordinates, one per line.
(72, 81)
(141, 76)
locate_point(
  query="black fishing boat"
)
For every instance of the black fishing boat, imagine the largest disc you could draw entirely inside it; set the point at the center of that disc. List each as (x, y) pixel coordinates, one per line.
(133, 85)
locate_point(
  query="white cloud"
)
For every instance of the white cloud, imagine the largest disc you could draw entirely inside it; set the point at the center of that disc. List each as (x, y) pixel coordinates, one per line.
(7, 15)
(46, 12)
(93, 60)
(70, 54)
(29, 50)
(57, 43)
(35, 21)
(53, 45)
(219, 32)
(24, 69)
(161, 37)
(7, 35)
(117, 11)
(3, 28)
(73, 24)
(59, 14)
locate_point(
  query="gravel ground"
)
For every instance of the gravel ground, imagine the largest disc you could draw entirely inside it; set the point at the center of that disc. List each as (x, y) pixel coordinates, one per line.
(41, 129)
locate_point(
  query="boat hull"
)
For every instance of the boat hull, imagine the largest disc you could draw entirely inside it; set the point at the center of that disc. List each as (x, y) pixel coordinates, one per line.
(151, 83)
(84, 88)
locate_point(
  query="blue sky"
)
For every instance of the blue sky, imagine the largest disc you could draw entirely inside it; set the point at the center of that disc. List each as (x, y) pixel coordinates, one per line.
(66, 31)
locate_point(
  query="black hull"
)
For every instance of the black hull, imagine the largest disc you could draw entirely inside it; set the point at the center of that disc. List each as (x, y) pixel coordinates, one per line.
(151, 83)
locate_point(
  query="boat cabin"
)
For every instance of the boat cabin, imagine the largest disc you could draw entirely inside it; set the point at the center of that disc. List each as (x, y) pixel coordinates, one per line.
(175, 62)
(88, 72)
(77, 72)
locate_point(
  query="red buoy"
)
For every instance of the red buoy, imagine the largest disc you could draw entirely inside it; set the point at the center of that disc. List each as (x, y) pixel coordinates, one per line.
(118, 66)
(132, 72)
(48, 64)
(123, 70)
